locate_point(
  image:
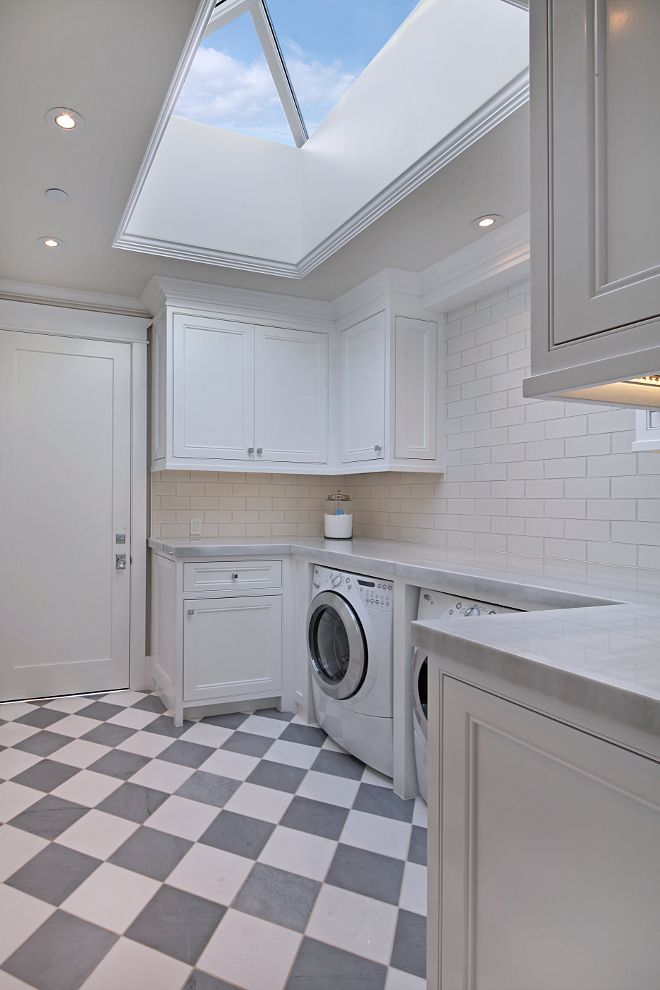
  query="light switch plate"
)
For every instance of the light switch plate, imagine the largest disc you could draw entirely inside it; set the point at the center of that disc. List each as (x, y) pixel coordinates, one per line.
(195, 527)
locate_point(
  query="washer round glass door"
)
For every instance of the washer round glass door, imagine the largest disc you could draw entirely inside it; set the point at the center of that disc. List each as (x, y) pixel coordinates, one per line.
(337, 648)
(420, 689)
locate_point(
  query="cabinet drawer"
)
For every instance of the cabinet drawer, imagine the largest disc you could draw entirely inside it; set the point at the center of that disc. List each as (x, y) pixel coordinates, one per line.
(227, 574)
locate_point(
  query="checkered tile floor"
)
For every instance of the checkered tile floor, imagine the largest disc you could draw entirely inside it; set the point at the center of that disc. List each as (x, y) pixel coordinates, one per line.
(242, 851)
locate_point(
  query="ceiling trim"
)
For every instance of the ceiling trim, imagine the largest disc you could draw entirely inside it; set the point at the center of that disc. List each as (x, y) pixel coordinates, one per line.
(51, 295)
(512, 96)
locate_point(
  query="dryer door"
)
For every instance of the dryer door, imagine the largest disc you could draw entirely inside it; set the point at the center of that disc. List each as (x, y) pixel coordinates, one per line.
(337, 647)
(420, 689)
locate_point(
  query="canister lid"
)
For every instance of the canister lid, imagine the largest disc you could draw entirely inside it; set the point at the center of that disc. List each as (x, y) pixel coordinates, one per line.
(338, 496)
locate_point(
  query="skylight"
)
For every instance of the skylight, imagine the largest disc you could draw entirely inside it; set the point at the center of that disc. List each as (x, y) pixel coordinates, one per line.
(273, 69)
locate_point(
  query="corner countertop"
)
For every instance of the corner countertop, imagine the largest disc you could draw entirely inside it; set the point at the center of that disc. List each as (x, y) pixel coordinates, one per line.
(587, 651)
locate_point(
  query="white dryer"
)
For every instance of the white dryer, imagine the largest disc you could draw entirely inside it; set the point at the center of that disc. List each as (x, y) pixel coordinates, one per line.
(436, 605)
(350, 648)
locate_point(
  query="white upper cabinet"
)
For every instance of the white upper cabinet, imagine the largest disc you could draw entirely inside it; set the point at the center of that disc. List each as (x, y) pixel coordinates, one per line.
(291, 396)
(415, 383)
(213, 388)
(595, 248)
(362, 409)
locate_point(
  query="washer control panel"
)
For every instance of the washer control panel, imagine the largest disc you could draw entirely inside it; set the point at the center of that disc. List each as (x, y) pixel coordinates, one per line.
(376, 594)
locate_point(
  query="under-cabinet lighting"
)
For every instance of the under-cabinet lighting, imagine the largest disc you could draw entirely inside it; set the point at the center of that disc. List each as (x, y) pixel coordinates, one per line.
(652, 380)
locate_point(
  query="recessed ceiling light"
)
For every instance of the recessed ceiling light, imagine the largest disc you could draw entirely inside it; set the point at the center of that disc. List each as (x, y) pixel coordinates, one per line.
(487, 222)
(56, 195)
(50, 241)
(64, 119)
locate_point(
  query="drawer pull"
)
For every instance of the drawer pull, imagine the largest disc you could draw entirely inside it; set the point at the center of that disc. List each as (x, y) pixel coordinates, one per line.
(234, 577)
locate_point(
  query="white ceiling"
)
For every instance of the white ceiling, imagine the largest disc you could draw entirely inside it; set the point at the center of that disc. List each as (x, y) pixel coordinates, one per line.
(113, 60)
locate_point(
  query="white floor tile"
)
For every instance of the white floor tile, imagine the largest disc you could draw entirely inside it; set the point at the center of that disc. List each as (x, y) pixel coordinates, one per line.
(70, 705)
(413, 889)
(207, 735)
(163, 776)
(354, 923)
(8, 982)
(377, 833)
(124, 698)
(97, 834)
(15, 732)
(299, 852)
(250, 953)
(374, 777)
(16, 848)
(75, 725)
(133, 718)
(420, 813)
(15, 798)
(21, 916)
(14, 709)
(145, 744)
(111, 897)
(330, 788)
(87, 788)
(255, 801)
(14, 761)
(81, 753)
(179, 816)
(228, 764)
(398, 980)
(293, 754)
(332, 745)
(215, 874)
(271, 727)
(137, 967)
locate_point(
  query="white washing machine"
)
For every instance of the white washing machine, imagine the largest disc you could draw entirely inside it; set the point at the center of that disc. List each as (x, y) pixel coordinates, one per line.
(436, 605)
(350, 648)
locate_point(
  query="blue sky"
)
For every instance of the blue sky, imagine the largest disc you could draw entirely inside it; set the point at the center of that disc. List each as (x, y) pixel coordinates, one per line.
(326, 43)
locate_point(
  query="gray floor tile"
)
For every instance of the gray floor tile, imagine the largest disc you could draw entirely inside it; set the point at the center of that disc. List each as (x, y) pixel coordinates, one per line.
(232, 720)
(133, 801)
(309, 735)
(100, 710)
(275, 713)
(417, 848)
(41, 718)
(109, 735)
(119, 763)
(238, 834)
(202, 981)
(43, 743)
(409, 951)
(279, 776)
(322, 967)
(186, 754)
(53, 873)
(153, 853)
(339, 764)
(248, 743)
(382, 801)
(61, 954)
(49, 817)
(150, 703)
(177, 923)
(209, 788)
(368, 873)
(164, 726)
(278, 896)
(316, 817)
(46, 775)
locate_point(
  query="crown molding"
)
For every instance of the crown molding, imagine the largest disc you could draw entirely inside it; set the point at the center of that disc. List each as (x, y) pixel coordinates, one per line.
(205, 256)
(498, 258)
(50, 295)
(374, 294)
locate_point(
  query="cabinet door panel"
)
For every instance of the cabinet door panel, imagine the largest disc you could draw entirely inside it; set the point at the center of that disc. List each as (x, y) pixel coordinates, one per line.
(213, 382)
(232, 647)
(605, 142)
(415, 388)
(291, 418)
(550, 866)
(363, 390)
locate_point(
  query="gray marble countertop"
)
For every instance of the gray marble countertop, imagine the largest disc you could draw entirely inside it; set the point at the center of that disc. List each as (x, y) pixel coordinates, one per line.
(588, 651)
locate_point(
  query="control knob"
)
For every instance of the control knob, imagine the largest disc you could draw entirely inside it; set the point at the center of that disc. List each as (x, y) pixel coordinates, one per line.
(472, 610)
(335, 580)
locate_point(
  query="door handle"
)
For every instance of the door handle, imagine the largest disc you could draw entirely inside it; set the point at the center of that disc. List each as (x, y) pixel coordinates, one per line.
(120, 561)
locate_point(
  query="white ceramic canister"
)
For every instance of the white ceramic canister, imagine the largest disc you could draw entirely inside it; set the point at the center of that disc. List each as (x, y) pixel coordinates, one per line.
(338, 517)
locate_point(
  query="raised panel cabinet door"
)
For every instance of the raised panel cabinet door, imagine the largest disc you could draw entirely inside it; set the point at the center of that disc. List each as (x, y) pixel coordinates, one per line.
(213, 388)
(415, 386)
(232, 647)
(291, 395)
(65, 493)
(602, 177)
(550, 863)
(362, 412)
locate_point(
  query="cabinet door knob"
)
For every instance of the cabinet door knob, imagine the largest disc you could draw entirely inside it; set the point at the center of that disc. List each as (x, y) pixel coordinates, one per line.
(377, 448)
(250, 450)
(260, 450)
(234, 577)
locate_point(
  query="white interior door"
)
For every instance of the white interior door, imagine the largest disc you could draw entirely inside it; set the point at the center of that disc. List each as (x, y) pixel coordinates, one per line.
(65, 420)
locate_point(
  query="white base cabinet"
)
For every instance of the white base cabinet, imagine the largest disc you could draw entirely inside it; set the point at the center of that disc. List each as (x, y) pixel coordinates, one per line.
(545, 851)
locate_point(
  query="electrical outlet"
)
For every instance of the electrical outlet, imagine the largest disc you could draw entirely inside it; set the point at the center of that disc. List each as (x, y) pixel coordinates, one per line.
(195, 527)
